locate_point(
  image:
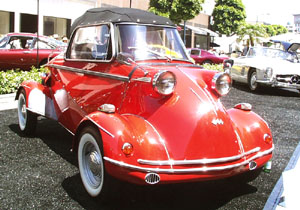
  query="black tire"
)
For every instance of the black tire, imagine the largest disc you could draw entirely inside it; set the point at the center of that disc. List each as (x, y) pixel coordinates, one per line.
(207, 62)
(91, 164)
(27, 119)
(252, 84)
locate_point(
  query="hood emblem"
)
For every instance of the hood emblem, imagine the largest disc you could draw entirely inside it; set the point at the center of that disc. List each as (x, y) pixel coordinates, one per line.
(217, 122)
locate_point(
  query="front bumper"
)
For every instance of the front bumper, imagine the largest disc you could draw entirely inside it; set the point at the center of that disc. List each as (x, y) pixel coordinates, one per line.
(280, 84)
(204, 168)
(171, 171)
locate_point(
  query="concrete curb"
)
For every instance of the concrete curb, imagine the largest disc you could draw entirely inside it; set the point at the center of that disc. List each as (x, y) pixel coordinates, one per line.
(7, 101)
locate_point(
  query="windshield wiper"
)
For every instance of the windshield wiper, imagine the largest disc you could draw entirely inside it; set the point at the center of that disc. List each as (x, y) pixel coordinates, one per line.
(151, 51)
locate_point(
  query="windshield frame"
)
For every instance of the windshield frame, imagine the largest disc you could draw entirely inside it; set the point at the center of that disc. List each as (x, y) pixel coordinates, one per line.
(185, 54)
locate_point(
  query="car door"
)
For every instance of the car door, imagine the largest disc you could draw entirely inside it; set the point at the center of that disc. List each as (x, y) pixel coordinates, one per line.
(87, 78)
(16, 53)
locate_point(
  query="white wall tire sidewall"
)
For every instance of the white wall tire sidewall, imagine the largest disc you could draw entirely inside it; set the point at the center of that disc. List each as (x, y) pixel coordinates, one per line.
(88, 138)
(21, 118)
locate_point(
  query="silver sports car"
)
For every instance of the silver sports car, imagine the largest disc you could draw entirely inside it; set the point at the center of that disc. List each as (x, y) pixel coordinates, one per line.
(268, 66)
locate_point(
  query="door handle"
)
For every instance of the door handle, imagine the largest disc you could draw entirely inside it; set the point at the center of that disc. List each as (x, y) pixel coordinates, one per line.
(26, 52)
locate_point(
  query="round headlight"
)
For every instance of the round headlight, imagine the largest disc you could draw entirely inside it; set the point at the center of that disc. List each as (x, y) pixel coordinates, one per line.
(221, 83)
(164, 82)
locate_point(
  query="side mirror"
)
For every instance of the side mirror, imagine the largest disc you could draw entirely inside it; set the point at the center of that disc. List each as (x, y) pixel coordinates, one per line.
(125, 58)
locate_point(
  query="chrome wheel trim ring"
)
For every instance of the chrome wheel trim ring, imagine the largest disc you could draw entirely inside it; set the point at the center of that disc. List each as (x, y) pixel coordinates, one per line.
(90, 164)
(22, 111)
(253, 83)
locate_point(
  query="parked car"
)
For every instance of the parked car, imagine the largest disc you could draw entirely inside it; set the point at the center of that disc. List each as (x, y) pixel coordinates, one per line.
(19, 50)
(268, 66)
(140, 114)
(204, 57)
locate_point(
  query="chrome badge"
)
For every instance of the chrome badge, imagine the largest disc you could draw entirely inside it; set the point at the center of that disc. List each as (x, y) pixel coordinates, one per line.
(217, 122)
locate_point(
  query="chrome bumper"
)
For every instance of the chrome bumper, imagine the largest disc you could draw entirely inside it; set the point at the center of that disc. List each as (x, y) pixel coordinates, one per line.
(192, 170)
(279, 84)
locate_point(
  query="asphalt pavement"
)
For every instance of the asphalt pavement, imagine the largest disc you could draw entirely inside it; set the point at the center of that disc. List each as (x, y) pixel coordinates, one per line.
(40, 172)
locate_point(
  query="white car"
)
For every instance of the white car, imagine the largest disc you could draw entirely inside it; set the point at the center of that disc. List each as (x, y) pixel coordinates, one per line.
(268, 66)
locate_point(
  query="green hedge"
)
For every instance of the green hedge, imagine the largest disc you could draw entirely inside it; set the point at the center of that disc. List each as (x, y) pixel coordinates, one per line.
(10, 80)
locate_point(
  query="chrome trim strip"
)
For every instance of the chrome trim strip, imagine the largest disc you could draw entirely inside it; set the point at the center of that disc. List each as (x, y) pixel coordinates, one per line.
(188, 170)
(88, 72)
(143, 79)
(199, 161)
(99, 126)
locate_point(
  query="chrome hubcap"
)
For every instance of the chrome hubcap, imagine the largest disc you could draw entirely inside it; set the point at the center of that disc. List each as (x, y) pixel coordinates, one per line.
(253, 81)
(92, 165)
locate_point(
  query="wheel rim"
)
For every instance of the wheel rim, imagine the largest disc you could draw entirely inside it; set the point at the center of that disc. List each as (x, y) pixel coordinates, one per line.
(91, 164)
(253, 83)
(22, 111)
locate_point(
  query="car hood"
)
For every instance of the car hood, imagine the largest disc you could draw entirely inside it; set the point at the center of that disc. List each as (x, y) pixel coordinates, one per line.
(192, 123)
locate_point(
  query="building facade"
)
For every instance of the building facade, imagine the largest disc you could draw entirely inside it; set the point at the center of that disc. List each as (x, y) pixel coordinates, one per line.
(54, 17)
(297, 23)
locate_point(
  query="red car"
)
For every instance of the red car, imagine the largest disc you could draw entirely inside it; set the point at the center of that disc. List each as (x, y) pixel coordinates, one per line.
(142, 113)
(204, 57)
(19, 50)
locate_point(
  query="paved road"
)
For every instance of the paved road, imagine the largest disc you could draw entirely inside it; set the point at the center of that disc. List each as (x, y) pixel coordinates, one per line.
(40, 173)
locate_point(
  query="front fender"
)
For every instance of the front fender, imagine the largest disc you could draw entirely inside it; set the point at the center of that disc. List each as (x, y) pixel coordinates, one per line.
(251, 129)
(118, 129)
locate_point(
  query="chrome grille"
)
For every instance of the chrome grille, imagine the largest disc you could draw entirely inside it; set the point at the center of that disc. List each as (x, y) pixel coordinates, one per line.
(152, 178)
(292, 79)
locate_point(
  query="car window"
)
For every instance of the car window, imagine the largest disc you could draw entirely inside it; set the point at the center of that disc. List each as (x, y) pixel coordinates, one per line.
(195, 52)
(43, 45)
(19, 42)
(91, 43)
(150, 42)
(3, 42)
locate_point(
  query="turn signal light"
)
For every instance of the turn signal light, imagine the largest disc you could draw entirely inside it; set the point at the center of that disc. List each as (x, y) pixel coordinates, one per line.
(127, 149)
(268, 138)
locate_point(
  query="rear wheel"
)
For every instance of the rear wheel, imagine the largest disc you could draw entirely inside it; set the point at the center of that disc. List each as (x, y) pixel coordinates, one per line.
(27, 119)
(253, 85)
(91, 163)
(207, 62)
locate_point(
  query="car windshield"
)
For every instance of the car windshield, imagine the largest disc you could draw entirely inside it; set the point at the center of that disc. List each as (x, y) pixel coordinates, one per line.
(272, 53)
(151, 42)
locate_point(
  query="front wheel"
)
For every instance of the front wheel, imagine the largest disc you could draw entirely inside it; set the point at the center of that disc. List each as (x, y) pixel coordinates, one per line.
(252, 81)
(91, 164)
(27, 119)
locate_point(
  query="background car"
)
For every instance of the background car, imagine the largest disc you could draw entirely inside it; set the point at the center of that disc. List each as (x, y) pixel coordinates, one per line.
(19, 50)
(268, 66)
(204, 57)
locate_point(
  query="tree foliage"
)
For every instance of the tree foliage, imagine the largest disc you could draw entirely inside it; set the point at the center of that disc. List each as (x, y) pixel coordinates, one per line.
(251, 32)
(228, 15)
(176, 10)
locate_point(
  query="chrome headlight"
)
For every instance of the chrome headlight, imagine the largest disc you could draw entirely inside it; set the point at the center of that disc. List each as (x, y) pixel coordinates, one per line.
(221, 83)
(164, 82)
(268, 72)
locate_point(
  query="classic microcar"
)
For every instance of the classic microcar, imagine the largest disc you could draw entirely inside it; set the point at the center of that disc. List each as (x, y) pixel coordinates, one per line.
(139, 109)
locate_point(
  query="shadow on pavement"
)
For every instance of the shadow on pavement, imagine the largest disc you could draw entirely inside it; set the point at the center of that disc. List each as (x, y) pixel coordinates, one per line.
(265, 90)
(205, 195)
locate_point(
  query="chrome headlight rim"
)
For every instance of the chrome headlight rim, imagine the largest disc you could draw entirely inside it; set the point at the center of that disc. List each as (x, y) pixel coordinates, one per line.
(156, 81)
(219, 83)
(268, 72)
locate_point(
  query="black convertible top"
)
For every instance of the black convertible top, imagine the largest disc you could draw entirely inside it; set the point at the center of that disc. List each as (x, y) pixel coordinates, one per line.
(117, 15)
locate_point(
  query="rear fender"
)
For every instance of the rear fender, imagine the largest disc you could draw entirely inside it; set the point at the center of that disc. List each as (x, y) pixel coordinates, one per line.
(251, 129)
(38, 99)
